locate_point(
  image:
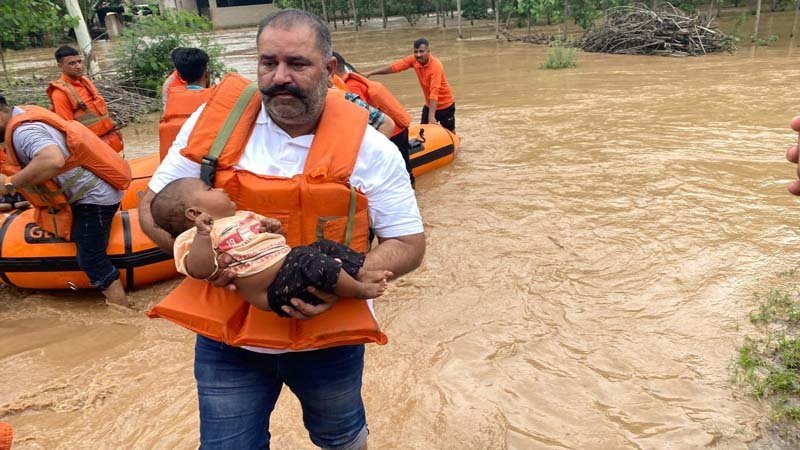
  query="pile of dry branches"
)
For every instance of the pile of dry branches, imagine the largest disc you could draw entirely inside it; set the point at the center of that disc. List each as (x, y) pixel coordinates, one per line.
(638, 30)
(125, 103)
(541, 39)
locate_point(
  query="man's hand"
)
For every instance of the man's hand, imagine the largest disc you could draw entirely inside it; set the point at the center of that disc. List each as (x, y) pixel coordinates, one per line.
(3, 190)
(792, 156)
(305, 311)
(270, 225)
(204, 222)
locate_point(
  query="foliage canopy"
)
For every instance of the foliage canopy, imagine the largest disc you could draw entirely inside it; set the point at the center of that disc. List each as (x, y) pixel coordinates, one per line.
(144, 53)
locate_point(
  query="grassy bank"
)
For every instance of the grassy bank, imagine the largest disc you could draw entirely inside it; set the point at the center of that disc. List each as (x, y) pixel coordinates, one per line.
(768, 362)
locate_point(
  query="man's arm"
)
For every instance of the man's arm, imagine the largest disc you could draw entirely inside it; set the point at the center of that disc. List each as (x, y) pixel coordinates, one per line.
(382, 71)
(163, 239)
(387, 127)
(45, 164)
(61, 104)
(400, 255)
(432, 111)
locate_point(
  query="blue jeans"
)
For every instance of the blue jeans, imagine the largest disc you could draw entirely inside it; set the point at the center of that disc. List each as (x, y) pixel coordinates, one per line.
(237, 390)
(91, 226)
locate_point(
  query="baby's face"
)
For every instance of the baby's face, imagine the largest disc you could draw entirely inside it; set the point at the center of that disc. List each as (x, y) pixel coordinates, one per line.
(214, 202)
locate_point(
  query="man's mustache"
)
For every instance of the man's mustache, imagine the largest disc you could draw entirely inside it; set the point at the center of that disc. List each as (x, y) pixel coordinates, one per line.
(277, 89)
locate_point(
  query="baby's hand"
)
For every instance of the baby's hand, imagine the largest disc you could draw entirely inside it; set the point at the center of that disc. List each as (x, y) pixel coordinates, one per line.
(204, 222)
(270, 225)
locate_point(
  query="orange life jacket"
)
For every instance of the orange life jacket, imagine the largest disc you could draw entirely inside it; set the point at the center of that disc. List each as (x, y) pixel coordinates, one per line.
(318, 203)
(338, 82)
(176, 80)
(380, 97)
(181, 103)
(87, 150)
(93, 115)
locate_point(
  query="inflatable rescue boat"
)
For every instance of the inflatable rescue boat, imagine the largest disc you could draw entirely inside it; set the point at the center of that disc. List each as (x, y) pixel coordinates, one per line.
(432, 146)
(35, 259)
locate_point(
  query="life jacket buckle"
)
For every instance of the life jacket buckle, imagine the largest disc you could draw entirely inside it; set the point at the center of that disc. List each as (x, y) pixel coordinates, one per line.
(208, 169)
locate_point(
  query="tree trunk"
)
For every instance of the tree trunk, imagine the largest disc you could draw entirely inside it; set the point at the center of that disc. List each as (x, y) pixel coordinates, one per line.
(355, 13)
(325, 12)
(383, 14)
(758, 19)
(3, 61)
(566, 20)
(796, 13)
(82, 33)
(444, 15)
(529, 21)
(303, 5)
(496, 8)
(458, 6)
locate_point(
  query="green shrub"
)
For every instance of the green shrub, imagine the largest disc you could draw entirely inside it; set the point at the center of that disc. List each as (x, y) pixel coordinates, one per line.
(143, 56)
(559, 56)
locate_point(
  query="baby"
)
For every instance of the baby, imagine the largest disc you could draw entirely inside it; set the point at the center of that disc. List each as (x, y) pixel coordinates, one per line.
(205, 223)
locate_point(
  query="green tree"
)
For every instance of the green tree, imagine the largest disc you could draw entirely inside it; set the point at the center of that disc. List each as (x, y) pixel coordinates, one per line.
(144, 52)
(473, 9)
(31, 22)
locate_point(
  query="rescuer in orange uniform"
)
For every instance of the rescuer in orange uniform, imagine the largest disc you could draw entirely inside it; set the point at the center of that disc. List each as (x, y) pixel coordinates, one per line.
(182, 93)
(439, 103)
(74, 97)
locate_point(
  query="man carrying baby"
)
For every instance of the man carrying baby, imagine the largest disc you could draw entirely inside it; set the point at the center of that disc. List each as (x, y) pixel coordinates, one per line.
(317, 150)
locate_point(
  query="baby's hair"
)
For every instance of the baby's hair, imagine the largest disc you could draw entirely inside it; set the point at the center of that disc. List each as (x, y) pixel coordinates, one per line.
(169, 206)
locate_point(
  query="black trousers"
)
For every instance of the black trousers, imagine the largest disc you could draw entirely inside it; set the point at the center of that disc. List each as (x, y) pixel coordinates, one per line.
(401, 141)
(446, 117)
(311, 265)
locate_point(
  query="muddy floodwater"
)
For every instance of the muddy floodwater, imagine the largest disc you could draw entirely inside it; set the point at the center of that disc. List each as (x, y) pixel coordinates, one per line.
(592, 257)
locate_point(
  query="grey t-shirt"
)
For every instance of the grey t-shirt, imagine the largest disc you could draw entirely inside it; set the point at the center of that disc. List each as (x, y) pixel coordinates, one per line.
(31, 137)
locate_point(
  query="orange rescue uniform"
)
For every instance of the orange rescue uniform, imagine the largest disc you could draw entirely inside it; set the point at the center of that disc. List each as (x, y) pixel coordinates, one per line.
(431, 79)
(79, 100)
(378, 96)
(181, 102)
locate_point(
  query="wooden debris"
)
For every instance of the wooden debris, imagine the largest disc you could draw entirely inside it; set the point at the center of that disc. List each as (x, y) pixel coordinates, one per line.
(638, 30)
(541, 39)
(126, 103)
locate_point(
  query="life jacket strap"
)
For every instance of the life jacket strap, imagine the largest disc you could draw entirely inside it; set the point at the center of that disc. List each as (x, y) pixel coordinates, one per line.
(208, 167)
(80, 103)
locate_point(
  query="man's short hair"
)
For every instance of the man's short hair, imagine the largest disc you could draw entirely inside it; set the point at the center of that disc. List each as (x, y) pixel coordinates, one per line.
(64, 51)
(191, 63)
(288, 18)
(169, 206)
(3, 101)
(421, 41)
(341, 64)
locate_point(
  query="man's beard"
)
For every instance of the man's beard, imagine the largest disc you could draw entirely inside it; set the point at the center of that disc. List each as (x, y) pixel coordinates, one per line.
(303, 106)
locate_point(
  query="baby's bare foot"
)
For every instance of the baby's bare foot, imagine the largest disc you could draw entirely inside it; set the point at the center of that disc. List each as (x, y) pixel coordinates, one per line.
(373, 276)
(373, 290)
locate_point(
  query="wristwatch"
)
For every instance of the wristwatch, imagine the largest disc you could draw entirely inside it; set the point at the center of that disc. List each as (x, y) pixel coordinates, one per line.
(9, 185)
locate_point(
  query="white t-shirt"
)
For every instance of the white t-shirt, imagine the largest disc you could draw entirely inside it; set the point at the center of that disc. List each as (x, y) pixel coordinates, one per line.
(379, 173)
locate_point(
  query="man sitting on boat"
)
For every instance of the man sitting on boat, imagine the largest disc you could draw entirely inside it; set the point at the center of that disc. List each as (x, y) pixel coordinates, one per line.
(75, 187)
